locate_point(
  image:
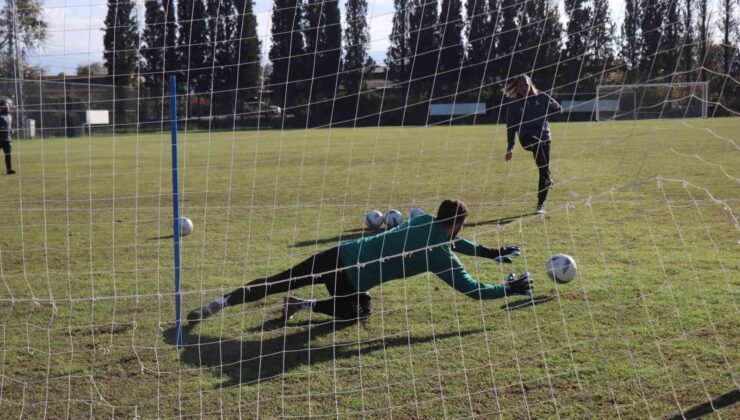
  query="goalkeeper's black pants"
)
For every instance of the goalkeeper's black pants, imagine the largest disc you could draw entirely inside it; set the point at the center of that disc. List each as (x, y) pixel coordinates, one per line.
(322, 268)
(541, 153)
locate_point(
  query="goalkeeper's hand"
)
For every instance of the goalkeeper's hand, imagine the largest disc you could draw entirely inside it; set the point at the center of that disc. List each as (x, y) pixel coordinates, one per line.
(521, 285)
(502, 255)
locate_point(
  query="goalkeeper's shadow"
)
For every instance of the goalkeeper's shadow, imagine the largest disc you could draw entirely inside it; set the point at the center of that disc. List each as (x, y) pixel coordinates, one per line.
(270, 354)
(362, 232)
(345, 236)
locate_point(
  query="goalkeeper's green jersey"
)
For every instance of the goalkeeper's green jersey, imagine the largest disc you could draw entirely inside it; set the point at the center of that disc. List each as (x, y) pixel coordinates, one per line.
(416, 246)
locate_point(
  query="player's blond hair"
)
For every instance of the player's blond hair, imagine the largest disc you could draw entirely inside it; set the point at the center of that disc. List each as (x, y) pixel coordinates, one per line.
(510, 89)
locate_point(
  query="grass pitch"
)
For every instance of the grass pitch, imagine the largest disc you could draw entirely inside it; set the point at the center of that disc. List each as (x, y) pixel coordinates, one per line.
(649, 327)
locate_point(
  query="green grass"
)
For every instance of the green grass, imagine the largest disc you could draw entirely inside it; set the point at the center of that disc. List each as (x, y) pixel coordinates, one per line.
(648, 328)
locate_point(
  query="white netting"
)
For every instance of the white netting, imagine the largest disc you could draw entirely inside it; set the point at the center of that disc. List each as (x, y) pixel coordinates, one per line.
(652, 101)
(295, 119)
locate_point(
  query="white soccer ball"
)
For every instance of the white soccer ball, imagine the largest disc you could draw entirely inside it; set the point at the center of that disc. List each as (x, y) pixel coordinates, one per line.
(415, 211)
(374, 219)
(186, 226)
(393, 218)
(561, 268)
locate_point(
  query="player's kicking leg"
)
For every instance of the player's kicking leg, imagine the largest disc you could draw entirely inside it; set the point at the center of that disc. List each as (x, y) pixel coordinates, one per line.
(542, 159)
(6, 147)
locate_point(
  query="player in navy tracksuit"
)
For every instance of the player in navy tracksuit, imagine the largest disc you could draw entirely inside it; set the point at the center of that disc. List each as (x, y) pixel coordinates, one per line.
(6, 129)
(527, 115)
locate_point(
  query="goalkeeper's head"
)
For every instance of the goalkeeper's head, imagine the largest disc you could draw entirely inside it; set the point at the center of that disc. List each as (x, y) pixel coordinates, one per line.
(451, 216)
(4, 105)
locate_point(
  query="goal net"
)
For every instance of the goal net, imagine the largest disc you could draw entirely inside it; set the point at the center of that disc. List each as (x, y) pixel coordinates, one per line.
(289, 124)
(652, 101)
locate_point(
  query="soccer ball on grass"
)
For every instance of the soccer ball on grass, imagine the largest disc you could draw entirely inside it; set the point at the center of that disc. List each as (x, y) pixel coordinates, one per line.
(415, 211)
(374, 219)
(393, 218)
(186, 226)
(561, 268)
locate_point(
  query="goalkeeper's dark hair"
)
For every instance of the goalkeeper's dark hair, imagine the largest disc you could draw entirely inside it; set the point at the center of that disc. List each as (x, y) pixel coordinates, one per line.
(452, 212)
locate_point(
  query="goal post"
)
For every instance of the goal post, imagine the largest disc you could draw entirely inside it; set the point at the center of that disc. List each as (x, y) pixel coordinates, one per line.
(652, 101)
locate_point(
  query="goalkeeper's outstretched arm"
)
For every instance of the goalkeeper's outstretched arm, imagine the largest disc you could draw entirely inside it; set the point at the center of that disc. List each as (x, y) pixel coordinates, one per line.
(501, 255)
(454, 274)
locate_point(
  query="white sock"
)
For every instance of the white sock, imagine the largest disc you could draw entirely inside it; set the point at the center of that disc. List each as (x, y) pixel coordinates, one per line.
(308, 304)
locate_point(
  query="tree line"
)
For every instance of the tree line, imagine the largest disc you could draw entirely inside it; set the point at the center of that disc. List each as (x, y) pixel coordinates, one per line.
(319, 66)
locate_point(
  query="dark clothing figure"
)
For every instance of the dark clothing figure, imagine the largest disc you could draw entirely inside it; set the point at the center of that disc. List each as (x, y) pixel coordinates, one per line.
(528, 117)
(6, 129)
(541, 153)
(324, 267)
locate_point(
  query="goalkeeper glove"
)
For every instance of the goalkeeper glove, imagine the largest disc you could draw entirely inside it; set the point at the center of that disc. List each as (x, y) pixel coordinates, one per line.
(521, 285)
(501, 255)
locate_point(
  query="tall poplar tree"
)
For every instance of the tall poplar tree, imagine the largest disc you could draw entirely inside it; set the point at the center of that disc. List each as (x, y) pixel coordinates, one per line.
(323, 36)
(248, 69)
(223, 31)
(170, 38)
(651, 27)
(630, 42)
(687, 53)
(159, 43)
(356, 38)
(480, 17)
(704, 34)
(121, 54)
(671, 41)
(602, 40)
(398, 56)
(287, 54)
(152, 48)
(194, 50)
(577, 58)
(545, 33)
(451, 52)
(507, 40)
(730, 33)
(424, 45)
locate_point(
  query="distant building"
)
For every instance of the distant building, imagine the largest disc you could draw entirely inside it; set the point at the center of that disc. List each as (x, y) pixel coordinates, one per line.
(377, 79)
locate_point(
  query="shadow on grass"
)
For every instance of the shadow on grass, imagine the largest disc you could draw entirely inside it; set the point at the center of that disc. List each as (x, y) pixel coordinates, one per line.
(359, 233)
(346, 236)
(714, 405)
(525, 303)
(502, 221)
(248, 361)
(279, 322)
(159, 238)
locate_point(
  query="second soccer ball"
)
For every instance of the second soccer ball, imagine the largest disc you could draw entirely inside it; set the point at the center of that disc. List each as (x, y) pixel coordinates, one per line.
(393, 218)
(374, 219)
(415, 211)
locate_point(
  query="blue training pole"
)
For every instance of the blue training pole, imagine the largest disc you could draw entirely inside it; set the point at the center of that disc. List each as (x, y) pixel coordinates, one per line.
(175, 207)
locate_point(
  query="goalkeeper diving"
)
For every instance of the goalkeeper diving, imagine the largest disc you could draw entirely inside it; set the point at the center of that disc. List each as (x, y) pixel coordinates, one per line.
(349, 270)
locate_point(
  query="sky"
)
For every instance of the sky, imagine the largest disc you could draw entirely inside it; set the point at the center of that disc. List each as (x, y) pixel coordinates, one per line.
(76, 35)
